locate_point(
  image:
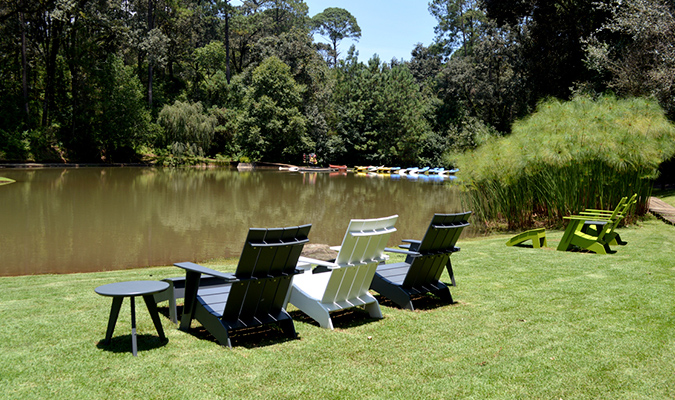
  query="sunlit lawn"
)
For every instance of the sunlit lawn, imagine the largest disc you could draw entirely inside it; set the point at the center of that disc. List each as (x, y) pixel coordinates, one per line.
(667, 195)
(527, 324)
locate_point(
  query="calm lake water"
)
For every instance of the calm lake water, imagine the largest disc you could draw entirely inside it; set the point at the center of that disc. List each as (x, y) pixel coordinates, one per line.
(92, 219)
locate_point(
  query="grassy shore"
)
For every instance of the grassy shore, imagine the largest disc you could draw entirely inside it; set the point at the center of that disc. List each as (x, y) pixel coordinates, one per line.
(527, 323)
(667, 195)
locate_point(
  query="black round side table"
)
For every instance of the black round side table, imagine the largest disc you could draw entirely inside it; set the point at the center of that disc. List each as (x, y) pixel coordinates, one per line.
(118, 291)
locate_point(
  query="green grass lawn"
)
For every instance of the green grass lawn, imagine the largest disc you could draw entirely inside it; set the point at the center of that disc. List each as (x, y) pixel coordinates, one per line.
(527, 324)
(667, 195)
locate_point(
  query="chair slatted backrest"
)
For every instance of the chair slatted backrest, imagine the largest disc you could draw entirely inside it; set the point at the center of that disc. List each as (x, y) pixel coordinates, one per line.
(362, 249)
(443, 232)
(365, 240)
(425, 269)
(629, 204)
(619, 208)
(616, 217)
(265, 269)
(612, 220)
(435, 248)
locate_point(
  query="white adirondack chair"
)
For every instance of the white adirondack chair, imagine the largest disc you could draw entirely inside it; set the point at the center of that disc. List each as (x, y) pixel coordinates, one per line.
(346, 283)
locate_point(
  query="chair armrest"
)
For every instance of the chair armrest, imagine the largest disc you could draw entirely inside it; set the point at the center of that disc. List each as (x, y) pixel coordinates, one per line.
(595, 210)
(589, 222)
(188, 266)
(593, 214)
(587, 218)
(399, 251)
(317, 262)
(413, 246)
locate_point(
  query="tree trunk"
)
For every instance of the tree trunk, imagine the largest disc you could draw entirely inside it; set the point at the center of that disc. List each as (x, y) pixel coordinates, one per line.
(227, 44)
(53, 42)
(24, 67)
(151, 26)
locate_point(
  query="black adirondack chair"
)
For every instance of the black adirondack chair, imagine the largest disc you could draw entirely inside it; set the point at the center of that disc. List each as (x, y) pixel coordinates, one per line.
(255, 294)
(420, 272)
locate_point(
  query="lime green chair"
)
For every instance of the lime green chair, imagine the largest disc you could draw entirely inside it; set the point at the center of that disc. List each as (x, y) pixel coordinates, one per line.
(590, 227)
(599, 233)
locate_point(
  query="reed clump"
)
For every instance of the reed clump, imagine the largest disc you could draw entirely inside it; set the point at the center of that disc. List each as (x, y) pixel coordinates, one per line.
(568, 156)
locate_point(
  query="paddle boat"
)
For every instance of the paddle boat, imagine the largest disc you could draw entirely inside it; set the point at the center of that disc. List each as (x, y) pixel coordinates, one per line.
(449, 172)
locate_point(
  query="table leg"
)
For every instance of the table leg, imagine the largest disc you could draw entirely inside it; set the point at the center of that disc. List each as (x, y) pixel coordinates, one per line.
(154, 314)
(134, 345)
(112, 320)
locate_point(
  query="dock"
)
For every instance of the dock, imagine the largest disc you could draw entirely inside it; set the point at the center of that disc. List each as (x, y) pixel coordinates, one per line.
(662, 210)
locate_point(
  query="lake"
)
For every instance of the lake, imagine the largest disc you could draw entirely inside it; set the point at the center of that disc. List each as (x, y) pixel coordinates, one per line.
(65, 220)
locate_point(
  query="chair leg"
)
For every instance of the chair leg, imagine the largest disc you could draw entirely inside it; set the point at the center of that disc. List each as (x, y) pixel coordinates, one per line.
(448, 266)
(444, 293)
(598, 248)
(392, 291)
(173, 314)
(374, 310)
(288, 328)
(191, 289)
(323, 318)
(311, 307)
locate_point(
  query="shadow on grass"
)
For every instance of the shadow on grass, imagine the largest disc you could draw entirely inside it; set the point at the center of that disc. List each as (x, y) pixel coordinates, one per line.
(526, 246)
(122, 344)
(343, 319)
(421, 303)
(165, 312)
(259, 336)
(250, 338)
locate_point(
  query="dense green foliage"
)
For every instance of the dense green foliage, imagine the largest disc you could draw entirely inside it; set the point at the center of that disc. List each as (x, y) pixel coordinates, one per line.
(273, 126)
(90, 80)
(568, 156)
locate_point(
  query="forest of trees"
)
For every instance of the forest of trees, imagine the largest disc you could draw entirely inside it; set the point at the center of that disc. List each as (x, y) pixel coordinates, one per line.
(115, 80)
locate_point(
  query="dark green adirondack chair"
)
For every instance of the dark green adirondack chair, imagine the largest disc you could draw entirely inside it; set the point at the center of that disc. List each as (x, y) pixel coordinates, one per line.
(419, 274)
(255, 294)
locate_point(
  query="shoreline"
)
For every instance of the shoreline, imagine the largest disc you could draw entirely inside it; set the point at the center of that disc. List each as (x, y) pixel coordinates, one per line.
(70, 165)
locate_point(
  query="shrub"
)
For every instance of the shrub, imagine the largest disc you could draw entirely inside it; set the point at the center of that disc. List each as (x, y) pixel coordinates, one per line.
(186, 126)
(568, 156)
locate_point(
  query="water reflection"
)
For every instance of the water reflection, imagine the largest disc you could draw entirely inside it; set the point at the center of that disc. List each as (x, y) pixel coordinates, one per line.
(91, 219)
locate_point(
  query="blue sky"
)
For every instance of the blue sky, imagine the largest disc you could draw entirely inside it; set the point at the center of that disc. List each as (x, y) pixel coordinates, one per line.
(389, 28)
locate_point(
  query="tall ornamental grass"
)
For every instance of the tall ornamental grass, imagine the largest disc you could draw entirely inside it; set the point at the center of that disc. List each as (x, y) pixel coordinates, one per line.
(566, 157)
